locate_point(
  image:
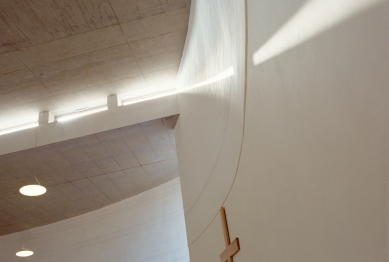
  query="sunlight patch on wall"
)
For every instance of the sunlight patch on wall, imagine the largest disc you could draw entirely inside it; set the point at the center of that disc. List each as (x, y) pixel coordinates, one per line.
(314, 18)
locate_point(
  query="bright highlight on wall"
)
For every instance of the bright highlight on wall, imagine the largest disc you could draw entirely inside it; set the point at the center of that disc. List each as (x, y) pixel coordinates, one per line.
(18, 128)
(81, 113)
(225, 74)
(315, 17)
(149, 97)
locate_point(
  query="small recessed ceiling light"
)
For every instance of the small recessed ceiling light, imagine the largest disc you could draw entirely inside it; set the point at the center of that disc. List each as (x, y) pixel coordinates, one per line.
(32, 190)
(24, 253)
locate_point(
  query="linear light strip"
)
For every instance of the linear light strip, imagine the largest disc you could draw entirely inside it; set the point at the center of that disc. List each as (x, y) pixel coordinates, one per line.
(225, 74)
(18, 128)
(149, 97)
(89, 111)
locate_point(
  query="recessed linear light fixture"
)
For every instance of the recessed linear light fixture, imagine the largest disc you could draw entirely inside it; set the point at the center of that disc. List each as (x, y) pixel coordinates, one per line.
(149, 97)
(80, 113)
(18, 128)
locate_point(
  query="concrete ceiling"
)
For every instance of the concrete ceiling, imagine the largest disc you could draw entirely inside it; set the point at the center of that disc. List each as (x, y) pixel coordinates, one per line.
(85, 173)
(64, 55)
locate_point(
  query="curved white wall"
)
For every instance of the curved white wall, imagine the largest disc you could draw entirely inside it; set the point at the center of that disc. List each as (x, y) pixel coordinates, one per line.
(146, 227)
(210, 127)
(312, 179)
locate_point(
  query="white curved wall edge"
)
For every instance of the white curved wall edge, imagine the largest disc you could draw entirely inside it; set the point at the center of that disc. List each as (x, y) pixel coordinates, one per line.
(210, 128)
(90, 124)
(147, 227)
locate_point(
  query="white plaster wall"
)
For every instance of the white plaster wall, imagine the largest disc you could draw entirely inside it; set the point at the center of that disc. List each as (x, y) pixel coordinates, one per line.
(312, 179)
(210, 127)
(147, 227)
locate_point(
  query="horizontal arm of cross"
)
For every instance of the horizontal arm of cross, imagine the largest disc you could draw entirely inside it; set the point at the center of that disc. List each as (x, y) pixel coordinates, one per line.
(230, 251)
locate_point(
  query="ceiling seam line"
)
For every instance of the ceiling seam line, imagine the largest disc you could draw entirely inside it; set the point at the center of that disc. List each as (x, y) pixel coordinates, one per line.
(148, 141)
(128, 44)
(140, 165)
(106, 174)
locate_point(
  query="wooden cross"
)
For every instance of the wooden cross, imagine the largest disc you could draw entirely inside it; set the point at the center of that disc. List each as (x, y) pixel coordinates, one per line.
(231, 248)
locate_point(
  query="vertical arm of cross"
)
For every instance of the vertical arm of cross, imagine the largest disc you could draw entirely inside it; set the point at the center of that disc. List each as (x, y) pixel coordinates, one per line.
(225, 226)
(231, 248)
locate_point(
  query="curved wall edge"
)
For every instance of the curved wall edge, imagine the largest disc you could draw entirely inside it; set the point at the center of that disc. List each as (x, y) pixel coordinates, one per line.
(210, 127)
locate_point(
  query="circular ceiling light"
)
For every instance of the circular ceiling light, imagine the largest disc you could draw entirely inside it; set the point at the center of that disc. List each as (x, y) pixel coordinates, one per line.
(24, 253)
(32, 190)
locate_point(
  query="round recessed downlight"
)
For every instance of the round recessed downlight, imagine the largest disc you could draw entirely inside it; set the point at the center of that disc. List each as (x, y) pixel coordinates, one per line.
(32, 190)
(24, 253)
